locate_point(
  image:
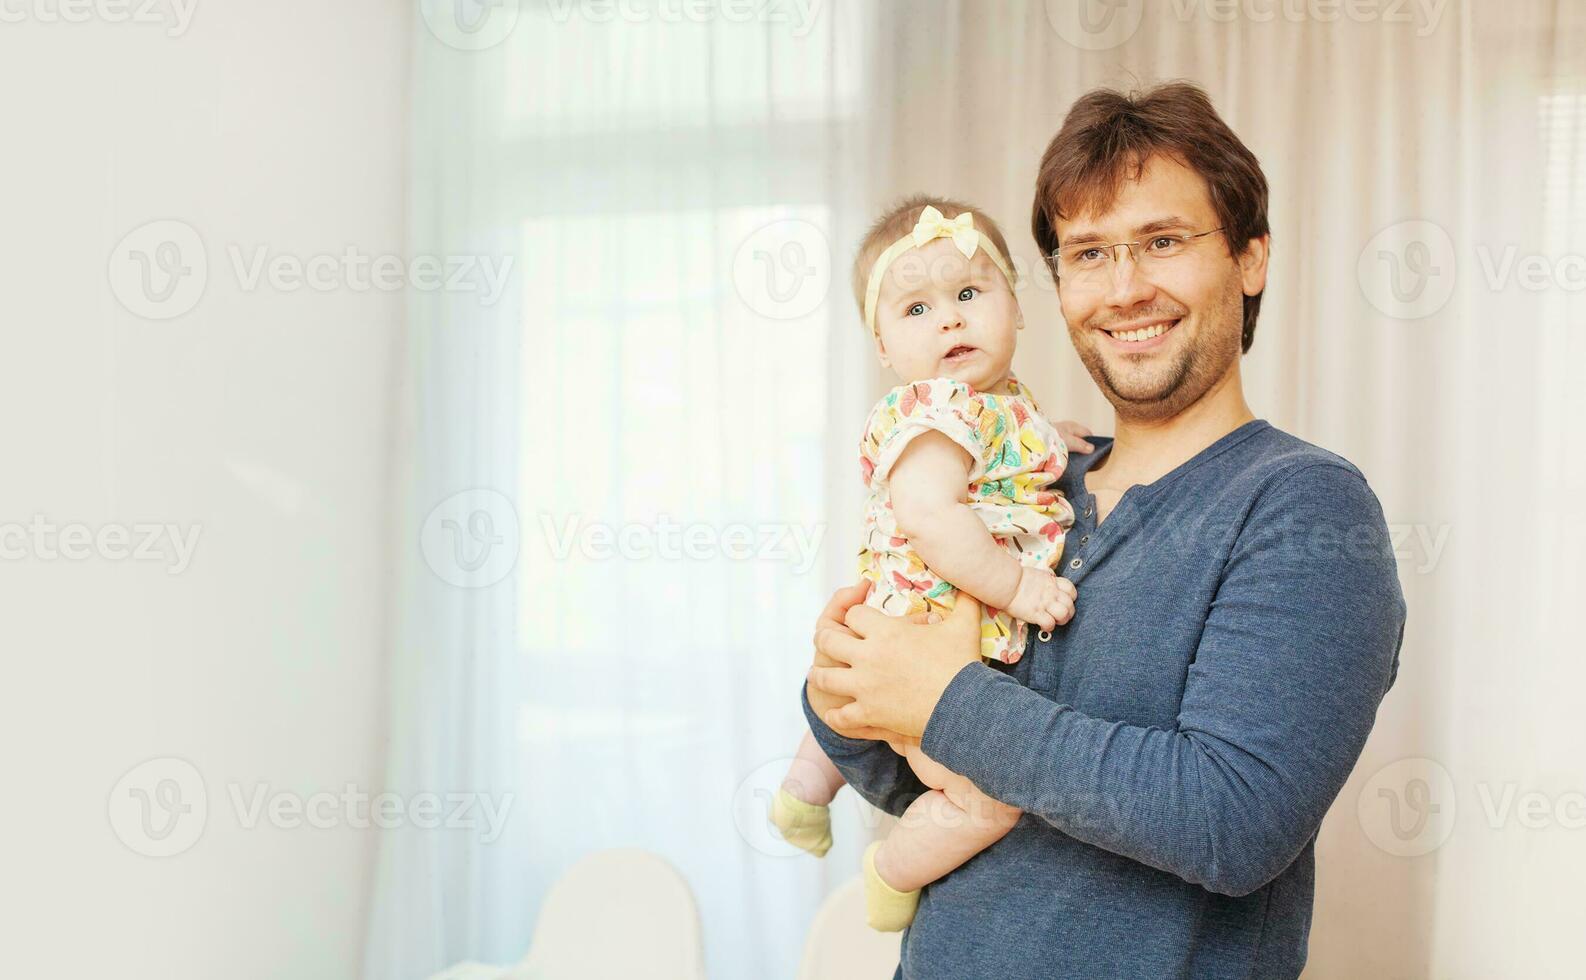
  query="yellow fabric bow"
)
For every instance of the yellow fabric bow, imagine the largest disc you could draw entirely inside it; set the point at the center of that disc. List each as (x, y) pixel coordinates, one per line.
(933, 224)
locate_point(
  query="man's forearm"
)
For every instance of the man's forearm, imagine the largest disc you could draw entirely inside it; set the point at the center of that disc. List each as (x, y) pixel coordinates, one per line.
(1156, 796)
(875, 772)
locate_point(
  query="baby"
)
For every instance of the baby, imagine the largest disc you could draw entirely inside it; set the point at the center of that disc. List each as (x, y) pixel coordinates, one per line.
(960, 466)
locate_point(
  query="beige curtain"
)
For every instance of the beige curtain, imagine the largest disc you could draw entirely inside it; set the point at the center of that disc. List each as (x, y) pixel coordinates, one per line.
(1426, 319)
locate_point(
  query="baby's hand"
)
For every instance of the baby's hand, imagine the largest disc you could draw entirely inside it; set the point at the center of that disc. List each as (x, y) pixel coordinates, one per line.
(1074, 434)
(1043, 598)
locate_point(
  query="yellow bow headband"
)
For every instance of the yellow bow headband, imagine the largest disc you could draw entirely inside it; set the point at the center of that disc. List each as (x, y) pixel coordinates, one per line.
(931, 226)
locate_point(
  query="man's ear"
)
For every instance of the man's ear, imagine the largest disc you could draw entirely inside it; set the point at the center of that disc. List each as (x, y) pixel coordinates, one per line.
(1253, 265)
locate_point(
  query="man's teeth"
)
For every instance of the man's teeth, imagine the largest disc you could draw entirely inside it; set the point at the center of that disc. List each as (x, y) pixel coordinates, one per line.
(1144, 333)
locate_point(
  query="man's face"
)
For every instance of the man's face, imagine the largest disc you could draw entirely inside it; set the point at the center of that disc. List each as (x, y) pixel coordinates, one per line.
(1158, 335)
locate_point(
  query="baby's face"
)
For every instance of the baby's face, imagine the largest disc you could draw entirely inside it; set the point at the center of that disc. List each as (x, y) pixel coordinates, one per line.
(940, 315)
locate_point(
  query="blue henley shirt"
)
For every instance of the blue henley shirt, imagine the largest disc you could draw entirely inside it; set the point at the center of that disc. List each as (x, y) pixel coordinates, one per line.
(1176, 745)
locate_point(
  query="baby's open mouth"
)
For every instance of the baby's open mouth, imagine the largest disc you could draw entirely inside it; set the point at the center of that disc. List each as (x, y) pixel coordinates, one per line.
(962, 350)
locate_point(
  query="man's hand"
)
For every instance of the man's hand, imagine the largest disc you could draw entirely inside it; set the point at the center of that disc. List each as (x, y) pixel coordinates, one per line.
(824, 702)
(893, 670)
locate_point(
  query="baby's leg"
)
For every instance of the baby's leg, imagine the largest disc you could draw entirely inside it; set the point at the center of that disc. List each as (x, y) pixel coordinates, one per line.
(811, 777)
(941, 829)
(801, 808)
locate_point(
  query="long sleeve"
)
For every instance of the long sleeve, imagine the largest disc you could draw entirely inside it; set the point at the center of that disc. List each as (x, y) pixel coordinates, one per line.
(875, 772)
(1299, 648)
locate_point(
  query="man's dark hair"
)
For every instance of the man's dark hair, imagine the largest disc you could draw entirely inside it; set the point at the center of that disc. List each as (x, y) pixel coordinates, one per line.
(1109, 136)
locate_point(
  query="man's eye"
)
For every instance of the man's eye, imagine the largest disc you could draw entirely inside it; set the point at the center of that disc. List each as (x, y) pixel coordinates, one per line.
(918, 309)
(1162, 244)
(967, 293)
(1088, 256)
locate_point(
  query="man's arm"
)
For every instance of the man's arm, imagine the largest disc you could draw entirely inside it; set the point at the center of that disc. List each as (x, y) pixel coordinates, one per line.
(875, 772)
(1298, 650)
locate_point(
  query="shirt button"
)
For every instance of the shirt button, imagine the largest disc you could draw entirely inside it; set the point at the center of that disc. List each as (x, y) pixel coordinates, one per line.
(1085, 539)
(1089, 511)
(1076, 563)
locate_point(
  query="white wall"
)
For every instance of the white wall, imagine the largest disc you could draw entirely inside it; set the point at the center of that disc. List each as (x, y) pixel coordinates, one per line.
(259, 418)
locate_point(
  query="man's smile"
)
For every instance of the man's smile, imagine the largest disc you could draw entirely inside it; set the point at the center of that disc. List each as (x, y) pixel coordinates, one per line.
(1140, 335)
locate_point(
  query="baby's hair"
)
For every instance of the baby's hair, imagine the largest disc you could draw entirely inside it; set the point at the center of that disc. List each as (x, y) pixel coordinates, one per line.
(896, 221)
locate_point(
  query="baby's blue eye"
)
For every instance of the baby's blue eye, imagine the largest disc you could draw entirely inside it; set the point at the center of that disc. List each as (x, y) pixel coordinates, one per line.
(967, 293)
(918, 309)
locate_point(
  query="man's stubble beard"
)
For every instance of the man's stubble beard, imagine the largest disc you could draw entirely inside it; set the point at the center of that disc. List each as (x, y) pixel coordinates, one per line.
(1199, 365)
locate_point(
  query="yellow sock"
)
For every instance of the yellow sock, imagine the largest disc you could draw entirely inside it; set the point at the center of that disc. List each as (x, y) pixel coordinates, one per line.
(886, 908)
(804, 825)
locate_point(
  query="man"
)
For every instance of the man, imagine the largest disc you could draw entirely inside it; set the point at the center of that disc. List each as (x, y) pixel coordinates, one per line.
(1176, 746)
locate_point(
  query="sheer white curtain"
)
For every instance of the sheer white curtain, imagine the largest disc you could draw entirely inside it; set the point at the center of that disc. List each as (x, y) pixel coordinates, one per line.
(661, 412)
(677, 367)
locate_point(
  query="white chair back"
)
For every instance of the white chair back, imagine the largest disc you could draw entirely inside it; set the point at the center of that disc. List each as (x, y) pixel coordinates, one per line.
(841, 947)
(615, 915)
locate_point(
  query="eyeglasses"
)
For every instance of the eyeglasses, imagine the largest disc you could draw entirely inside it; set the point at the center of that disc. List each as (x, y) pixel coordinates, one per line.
(1091, 262)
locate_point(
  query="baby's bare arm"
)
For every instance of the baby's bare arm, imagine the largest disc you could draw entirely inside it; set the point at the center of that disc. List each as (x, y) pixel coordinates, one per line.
(928, 482)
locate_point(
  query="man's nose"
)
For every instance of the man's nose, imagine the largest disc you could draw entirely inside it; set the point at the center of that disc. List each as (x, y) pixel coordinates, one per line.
(1129, 285)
